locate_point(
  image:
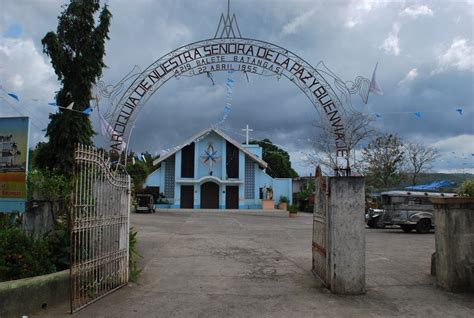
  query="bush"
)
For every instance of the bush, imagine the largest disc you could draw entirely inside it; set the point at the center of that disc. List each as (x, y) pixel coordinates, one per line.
(283, 199)
(132, 262)
(59, 246)
(467, 188)
(293, 209)
(21, 256)
(47, 185)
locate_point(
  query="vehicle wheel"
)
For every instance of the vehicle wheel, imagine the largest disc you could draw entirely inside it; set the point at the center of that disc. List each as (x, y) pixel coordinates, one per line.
(379, 223)
(370, 223)
(407, 228)
(423, 226)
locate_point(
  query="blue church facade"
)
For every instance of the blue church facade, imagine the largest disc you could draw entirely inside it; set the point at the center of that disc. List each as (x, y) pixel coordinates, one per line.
(213, 171)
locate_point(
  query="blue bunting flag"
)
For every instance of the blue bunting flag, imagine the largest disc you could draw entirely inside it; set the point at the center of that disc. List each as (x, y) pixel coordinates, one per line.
(13, 95)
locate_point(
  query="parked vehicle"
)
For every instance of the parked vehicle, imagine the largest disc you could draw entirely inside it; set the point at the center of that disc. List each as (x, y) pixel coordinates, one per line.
(410, 210)
(145, 203)
(374, 218)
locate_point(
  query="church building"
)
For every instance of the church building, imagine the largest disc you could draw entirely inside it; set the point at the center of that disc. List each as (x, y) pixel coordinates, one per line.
(213, 171)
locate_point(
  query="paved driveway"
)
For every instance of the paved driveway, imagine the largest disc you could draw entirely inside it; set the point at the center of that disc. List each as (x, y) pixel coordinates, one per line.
(222, 265)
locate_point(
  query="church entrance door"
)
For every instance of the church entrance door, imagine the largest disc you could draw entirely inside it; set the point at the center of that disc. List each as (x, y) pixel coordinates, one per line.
(232, 197)
(209, 196)
(187, 197)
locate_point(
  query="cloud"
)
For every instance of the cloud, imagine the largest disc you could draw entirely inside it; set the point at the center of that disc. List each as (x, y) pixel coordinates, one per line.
(416, 11)
(294, 25)
(461, 145)
(26, 72)
(411, 75)
(357, 9)
(391, 45)
(347, 34)
(458, 56)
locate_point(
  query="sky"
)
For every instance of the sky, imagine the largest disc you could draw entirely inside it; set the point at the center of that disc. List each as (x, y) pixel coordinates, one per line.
(425, 51)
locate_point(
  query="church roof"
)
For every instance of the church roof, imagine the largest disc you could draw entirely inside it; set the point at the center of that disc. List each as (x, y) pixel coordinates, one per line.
(203, 134)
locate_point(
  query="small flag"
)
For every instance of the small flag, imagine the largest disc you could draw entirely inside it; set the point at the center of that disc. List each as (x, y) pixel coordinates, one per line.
(69, 107)
(52, 104)
(105, 128)
(133, 160)
(460, 111)
(418, 114)
(143, 158)
(86, 111)
(14, 96)
(378, 115)
(374, 86)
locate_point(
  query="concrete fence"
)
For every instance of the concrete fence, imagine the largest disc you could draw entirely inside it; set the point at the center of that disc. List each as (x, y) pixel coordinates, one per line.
(29, 295)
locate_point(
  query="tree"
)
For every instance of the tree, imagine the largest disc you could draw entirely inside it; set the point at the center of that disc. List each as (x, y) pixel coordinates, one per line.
(467, 188)
(419, 159)
(76, 51)
(383, 158)
(139, 170)
(279, 165)
(357, 128)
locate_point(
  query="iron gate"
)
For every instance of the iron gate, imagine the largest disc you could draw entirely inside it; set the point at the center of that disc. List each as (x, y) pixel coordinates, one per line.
(320, 228)
(99, 228)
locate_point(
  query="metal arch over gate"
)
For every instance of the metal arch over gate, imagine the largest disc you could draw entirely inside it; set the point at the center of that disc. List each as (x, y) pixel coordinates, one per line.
(223, 55)
(228, 51)
(100, 220)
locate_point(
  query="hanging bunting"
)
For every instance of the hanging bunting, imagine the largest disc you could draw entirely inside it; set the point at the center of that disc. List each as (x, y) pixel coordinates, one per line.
(460, 111)
(418, 114)
(52, 104)
(87, 111)
(14, 96)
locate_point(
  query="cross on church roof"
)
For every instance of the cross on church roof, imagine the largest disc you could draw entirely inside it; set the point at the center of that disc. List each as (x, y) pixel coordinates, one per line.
(247, 131)
(228, 26)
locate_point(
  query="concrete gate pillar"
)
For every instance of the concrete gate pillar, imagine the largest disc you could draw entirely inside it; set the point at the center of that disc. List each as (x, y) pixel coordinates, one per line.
(454, 224)
(339, 234)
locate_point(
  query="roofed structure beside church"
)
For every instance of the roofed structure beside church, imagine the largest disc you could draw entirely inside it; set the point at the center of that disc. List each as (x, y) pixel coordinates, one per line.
(213, 171)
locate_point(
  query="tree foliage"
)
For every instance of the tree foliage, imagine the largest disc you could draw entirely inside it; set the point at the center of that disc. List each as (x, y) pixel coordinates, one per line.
(419, 159)
(467, 188)
(76, 51)
(279, 165)
(140, 170)
(357, 127)
(384, 158)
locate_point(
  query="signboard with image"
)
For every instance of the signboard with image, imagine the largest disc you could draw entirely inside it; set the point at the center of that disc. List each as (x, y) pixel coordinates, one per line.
(14, 132)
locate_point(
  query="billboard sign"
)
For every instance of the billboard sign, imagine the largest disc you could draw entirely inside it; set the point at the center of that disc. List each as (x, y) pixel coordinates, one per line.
(14, 133)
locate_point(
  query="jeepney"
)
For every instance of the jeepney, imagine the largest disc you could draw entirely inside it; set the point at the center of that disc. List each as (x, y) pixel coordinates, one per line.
(410, 210)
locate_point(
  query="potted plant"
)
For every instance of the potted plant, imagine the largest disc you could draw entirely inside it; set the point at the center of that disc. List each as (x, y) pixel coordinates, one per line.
(293, 209)
(283, 204)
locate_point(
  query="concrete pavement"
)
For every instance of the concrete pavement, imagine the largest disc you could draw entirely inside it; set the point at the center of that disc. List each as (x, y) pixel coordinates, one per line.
(231, 265)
